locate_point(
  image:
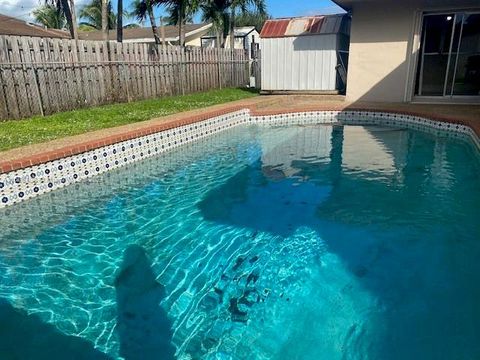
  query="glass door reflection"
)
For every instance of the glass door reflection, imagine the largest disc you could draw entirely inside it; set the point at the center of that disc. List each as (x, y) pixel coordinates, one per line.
(449, 62)
(467, 58)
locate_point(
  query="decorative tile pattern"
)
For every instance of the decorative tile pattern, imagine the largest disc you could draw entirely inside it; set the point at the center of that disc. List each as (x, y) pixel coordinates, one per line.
(369, 118)
(19, 185)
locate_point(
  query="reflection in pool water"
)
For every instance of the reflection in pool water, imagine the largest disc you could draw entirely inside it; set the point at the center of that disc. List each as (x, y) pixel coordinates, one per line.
(313, 242)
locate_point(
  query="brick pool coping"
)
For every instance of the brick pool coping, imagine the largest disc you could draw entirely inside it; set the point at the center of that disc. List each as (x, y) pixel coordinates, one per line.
(81, 147)
(261, 106)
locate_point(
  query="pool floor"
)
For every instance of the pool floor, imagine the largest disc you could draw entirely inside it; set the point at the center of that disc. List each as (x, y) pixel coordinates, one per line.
(301, 242)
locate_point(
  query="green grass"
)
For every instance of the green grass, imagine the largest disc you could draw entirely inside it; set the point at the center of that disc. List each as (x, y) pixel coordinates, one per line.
(15, 133)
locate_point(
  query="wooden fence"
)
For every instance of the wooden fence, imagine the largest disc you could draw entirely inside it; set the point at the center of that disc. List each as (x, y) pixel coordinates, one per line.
(40, 76)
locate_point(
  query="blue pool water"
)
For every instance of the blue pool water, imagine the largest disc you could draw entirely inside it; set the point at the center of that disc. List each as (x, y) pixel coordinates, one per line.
(313, 242)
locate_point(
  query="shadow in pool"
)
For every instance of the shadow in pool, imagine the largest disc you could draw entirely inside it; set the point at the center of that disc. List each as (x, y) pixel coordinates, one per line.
(143, 326)
(263, 198)
(382, 211)
(24, 336)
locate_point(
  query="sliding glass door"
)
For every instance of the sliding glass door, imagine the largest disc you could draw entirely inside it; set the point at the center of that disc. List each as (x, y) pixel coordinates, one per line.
(449, 62)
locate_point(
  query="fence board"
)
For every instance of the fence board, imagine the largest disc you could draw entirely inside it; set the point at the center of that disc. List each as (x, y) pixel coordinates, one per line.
(33, 87)
(8, 81)
(38, 57)
(18, 76)
(100, 73)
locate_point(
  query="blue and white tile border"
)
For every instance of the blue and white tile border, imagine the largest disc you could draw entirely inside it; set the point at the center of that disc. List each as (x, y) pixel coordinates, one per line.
(360, 117)
(19, 185)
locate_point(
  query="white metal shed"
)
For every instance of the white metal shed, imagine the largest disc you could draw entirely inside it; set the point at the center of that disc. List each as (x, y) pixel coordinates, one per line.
(308, 54)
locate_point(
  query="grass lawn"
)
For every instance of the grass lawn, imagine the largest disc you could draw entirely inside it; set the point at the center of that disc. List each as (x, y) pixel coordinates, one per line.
(15, 133)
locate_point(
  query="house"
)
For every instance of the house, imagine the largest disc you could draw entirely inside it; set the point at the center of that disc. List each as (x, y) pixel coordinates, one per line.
(16, 27)
(414, 50)
(307, 54)
(193, 34)
(246, 37)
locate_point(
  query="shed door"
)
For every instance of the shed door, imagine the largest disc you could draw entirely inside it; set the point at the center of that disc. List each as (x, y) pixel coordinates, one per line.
(304, 63)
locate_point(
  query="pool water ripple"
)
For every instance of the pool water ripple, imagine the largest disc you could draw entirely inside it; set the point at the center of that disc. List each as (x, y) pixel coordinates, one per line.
(312, 242)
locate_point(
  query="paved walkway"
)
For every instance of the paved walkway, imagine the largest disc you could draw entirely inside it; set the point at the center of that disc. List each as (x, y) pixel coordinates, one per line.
(262, 105)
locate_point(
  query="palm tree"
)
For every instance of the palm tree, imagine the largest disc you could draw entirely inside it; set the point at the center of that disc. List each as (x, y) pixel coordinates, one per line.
(243, 6)
(91, 15)
(49, 16)
(250, 18)
(65, 7)
(104, 11)
(180, 12)
(143, 8)
(173, 14)
(119, 20)
(71, 17)
(216, 12)
(163, 20)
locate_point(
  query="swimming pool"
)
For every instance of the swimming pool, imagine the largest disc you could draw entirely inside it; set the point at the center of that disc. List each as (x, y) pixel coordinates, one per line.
(295, 242)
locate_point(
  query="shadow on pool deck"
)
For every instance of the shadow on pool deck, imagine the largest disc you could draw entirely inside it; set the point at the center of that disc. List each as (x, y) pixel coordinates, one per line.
(24, 337)
(143, 326)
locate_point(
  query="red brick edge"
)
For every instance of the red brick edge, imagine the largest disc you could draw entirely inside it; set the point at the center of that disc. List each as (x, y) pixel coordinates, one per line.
(75, 149)
(7, 166)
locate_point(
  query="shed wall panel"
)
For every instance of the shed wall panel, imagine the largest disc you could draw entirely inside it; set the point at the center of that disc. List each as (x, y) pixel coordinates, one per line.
(299, 63)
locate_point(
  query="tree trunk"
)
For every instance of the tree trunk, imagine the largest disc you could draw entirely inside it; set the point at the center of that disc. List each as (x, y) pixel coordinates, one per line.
(70, 16)
(74, 19)
(232, 28)
(181, 26)
(218, 44)
(181, 19)
(105, 20)
(152, 22)
(120, 20)
(162, 32)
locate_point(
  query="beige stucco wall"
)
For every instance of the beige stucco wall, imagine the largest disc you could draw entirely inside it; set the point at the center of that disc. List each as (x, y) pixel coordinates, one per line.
(379, 47)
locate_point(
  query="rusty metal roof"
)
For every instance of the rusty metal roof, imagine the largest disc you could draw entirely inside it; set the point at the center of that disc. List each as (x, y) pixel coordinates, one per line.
(309, 25)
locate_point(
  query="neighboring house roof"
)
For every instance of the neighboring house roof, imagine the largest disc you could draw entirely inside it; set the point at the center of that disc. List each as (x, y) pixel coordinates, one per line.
(238, 32)
(308, 25)
(145, 33)
(243, 31)
(13, 26)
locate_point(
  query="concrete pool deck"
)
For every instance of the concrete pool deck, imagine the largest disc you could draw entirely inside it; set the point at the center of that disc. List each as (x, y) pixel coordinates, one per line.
(262, 105)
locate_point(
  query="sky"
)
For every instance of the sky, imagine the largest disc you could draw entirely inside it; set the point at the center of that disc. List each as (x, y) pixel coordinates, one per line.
(277, 8)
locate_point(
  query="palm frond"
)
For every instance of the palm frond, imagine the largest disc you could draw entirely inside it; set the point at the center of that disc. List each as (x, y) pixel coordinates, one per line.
(49, 16)
(91, 13)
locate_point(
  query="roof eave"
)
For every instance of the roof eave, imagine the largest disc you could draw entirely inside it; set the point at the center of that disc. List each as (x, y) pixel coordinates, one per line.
(196, 31)
(343, 4)
(248, 33)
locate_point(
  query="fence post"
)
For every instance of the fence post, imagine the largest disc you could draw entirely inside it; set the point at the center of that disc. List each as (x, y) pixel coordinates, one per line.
(218, 68)
(182, 68)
